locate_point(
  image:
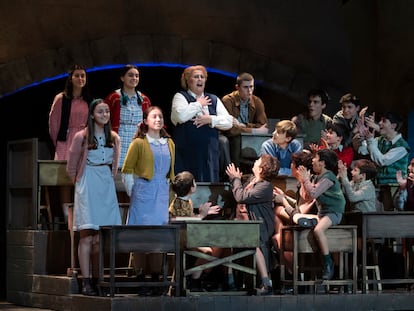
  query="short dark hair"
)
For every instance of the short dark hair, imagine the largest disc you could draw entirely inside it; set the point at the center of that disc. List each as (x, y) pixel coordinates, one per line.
(394, 118)
(366, 167)
(321, 93)
(304, 158)
(330, 158)
(182, 183)
(340, 131)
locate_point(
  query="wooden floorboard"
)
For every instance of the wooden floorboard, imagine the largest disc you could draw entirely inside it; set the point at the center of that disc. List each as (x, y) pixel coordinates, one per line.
(66, 298)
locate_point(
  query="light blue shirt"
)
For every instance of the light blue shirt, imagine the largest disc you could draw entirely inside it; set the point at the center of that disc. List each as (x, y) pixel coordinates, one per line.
(283, 155)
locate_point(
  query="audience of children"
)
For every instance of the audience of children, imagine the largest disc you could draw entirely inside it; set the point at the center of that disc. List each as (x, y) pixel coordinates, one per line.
(330, 172)
(389, 151)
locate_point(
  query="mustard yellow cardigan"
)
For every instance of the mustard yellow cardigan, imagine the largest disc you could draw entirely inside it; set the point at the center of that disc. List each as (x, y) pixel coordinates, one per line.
(140, 160)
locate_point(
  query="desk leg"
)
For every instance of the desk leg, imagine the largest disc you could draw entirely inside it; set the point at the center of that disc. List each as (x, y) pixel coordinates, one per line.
(71, 271)
(295, 262)
(364, 264)
(101, 263)
(112, 263)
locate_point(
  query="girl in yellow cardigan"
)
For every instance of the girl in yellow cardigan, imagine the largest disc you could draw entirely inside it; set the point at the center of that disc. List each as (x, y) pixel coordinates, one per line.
(146, 173)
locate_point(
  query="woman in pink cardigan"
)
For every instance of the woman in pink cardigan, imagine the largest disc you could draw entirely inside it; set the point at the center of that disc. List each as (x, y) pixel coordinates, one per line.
(92, 164)
(68, 115)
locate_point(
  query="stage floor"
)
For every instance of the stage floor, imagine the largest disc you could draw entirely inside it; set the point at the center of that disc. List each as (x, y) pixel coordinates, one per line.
(49, 293)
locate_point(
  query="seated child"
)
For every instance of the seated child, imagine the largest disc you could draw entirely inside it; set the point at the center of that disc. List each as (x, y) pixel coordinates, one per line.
(257, 194)
(404, 197)
(334, 138)
(184, 186)
(330, 201)
(286, 206)
(360, 191)
(282, 145)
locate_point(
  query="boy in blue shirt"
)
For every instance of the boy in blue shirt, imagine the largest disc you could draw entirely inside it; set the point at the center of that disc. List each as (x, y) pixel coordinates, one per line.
(282, 145)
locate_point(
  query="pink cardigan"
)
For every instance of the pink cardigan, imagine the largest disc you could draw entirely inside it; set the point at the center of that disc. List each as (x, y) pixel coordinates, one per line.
(78, 153)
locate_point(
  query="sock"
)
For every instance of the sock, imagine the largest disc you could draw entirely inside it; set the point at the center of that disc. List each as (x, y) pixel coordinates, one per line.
(266, 281)
(327, 259)
(230, 278)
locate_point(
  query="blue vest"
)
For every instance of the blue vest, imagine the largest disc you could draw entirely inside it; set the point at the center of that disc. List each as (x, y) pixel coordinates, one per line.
(197, 149)
(386, 173)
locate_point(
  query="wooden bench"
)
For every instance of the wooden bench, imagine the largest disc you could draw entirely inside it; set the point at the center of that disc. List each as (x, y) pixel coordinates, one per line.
(341, 239)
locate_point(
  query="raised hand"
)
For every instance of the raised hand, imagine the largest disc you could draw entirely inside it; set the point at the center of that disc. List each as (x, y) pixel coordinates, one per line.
(233, 172)
(303, 174)
(401, 180)
(342, 169)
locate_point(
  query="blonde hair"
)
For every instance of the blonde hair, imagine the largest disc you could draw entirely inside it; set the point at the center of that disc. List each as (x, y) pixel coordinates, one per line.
(288, 127)
(186, 75)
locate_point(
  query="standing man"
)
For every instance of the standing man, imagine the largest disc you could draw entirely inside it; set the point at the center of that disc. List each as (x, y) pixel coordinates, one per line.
(248, 113)
(312, 123)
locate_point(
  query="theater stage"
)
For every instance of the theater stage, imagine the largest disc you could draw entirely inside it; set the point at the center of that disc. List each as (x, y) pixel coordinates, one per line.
(59, 293)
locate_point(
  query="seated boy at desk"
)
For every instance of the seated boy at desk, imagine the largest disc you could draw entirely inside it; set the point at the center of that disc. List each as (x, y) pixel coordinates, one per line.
(282, 145)
(360, 191)
(184, 186)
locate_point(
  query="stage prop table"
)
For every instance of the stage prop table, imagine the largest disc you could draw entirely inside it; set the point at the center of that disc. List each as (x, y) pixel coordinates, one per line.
(144, 239)
(382, 225)
(341, 239)
(231, 234)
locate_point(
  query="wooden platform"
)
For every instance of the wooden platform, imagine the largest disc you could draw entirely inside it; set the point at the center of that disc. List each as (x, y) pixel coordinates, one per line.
(56, 293)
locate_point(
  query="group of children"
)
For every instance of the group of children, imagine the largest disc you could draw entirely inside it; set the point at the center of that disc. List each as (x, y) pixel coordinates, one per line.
(322, 169)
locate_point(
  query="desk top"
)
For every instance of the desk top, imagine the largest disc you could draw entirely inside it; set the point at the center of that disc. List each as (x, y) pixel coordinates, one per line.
(53, 173)
(220, 233)
(368, 214)
(393, 224)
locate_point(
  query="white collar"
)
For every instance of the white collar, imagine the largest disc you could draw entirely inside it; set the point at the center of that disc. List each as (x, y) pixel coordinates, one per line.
(156, 141)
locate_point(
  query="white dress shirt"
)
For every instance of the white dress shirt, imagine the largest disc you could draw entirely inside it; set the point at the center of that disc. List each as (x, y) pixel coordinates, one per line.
(182, 111)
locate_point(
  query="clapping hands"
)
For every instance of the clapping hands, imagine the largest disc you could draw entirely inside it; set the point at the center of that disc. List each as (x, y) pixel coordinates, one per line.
(303, 174)
(342, 170)
(278, 195)
(207, 209)
(233, 172)
(402, 182)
